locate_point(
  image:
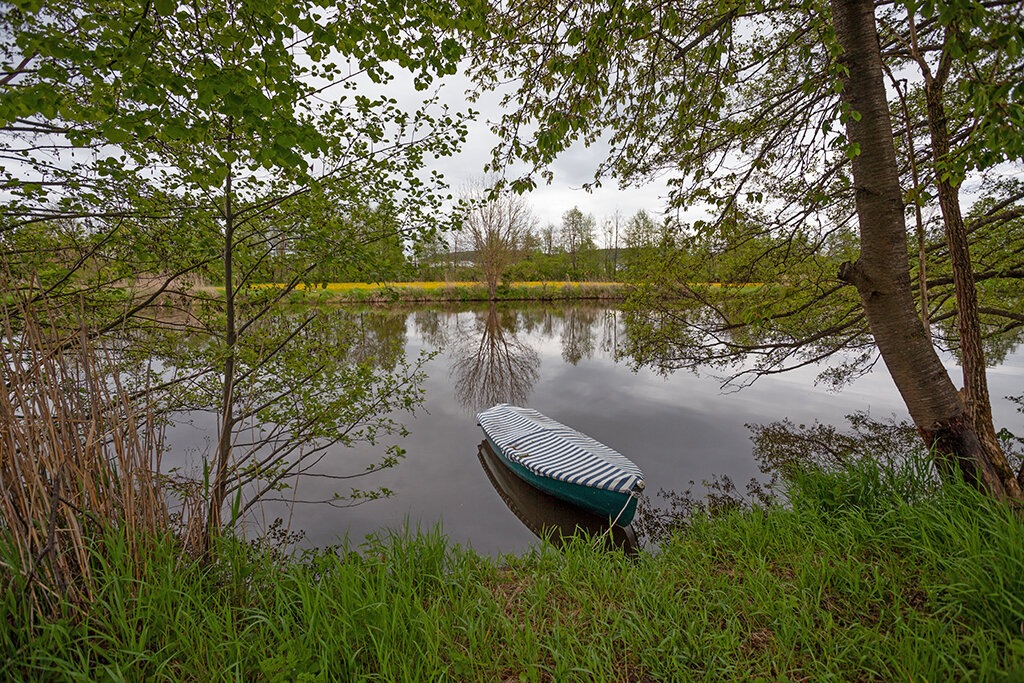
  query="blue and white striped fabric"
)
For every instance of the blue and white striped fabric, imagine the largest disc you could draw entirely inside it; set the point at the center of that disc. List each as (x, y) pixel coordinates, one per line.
(550, 449)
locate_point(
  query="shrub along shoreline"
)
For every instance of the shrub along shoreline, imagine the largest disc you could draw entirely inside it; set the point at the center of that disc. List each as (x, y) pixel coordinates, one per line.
(859, 577)
(418, 292)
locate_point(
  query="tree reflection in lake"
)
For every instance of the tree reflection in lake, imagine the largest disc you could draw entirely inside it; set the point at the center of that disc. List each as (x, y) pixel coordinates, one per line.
(490, 364)
(430, 326)
(785, 451)
(677, 428)
(578, 334)
(610, 326)
(379, 336)
(317, 387)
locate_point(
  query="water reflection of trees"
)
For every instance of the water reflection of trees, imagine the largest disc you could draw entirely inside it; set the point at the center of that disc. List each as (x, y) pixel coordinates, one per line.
(311, 379)
(782, 449)
(377, 336)
(578, 334)
(430, 326)
(738, 334)
(744, 333)
(785, 451)
(610, 327)
(997, 345)
(490, 363)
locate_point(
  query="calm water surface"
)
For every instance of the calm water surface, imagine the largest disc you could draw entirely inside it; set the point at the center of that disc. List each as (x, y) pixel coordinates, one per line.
(560, 361)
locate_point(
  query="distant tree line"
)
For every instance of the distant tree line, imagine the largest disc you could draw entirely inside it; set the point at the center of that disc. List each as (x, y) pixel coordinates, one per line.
(501, 241)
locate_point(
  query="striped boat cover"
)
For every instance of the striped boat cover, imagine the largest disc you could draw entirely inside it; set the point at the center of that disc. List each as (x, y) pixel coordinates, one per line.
(550, 449)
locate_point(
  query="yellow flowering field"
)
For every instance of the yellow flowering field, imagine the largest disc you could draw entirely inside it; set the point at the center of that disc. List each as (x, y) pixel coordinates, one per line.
(349, 286)
(437, 286)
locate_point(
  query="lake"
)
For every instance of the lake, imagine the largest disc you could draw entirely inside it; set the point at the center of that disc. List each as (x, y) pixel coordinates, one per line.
(560, 360)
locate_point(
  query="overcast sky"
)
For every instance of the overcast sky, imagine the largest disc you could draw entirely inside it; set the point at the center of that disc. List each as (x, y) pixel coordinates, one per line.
(572, 170)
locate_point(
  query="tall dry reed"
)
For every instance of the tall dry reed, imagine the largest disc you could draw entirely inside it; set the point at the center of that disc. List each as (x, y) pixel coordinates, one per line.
(77, 459)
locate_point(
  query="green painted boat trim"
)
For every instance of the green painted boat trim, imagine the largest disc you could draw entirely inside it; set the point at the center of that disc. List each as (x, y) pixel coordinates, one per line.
(599, 501)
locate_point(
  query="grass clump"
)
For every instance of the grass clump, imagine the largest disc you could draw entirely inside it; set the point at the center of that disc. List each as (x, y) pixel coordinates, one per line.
(863, 576)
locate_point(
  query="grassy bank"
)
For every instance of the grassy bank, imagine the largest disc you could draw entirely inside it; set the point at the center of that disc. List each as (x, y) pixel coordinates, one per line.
(856, 580)
(414, 292)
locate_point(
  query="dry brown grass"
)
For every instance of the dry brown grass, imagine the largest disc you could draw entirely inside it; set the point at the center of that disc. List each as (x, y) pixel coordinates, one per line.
(76, 457)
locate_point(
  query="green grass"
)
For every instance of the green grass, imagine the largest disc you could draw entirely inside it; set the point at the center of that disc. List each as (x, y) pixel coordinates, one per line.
(417, 292)
(390, 292)
(458, 291)
(862, 577)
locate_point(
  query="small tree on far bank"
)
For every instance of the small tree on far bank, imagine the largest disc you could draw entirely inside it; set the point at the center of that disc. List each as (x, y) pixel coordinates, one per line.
(549, 239)
(641, 241)
(495, 228)
(612, 227)
(578, 239)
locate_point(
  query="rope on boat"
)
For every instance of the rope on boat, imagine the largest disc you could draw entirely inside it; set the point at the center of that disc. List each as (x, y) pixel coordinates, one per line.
(634, 492)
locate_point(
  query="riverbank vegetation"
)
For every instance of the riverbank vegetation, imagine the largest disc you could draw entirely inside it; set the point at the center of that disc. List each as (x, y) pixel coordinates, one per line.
(168, 165)
(445, 292)
(395, 292)
(866, 574)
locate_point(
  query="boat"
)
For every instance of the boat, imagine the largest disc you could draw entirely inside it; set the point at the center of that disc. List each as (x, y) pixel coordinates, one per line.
(549, 518)
(564, 462)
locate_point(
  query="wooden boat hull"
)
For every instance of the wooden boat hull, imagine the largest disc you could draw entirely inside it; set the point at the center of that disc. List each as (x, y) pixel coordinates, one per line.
(617, 506)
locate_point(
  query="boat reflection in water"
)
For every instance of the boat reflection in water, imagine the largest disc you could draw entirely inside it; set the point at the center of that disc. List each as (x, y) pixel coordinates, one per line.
(548, 517)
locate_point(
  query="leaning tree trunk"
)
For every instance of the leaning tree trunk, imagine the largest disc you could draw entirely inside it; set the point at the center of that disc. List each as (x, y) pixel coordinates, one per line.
(972, 353)
(882, 273)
